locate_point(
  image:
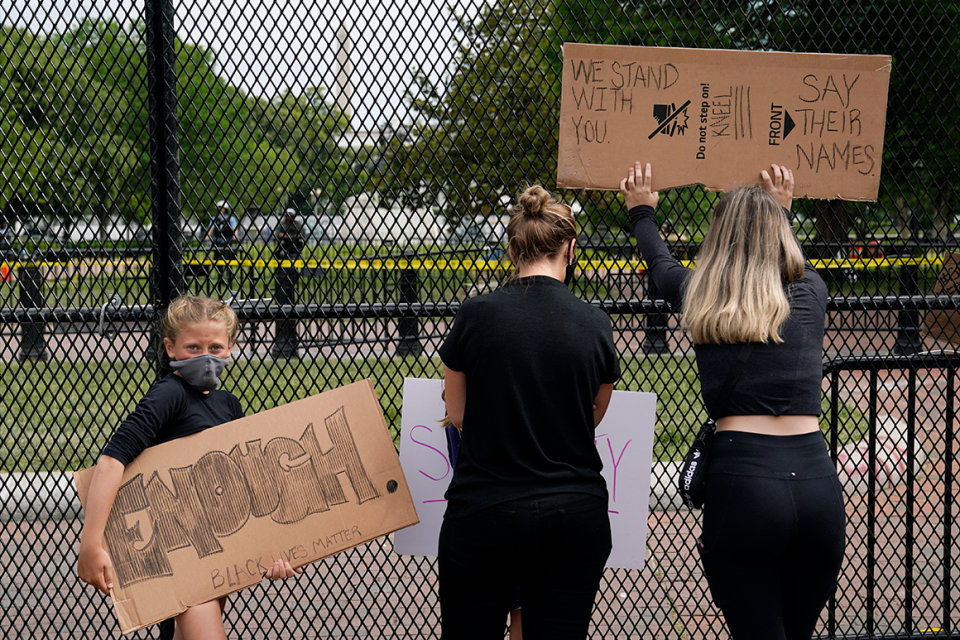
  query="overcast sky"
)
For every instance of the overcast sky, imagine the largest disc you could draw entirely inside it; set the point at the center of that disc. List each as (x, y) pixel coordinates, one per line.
(264, 47)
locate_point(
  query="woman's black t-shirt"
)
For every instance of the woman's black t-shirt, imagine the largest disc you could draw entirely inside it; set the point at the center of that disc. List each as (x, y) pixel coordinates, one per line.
(171, 409)
(534, 356)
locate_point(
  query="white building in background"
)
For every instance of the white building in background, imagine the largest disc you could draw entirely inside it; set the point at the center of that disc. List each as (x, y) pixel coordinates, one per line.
(364, 221)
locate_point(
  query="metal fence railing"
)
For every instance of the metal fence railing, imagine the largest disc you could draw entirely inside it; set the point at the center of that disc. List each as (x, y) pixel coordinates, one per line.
(900, 576)
(397, 136)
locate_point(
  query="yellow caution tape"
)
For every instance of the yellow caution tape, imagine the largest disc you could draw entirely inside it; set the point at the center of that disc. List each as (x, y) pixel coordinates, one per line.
(458, 264)
(16, 264)
(500, 265)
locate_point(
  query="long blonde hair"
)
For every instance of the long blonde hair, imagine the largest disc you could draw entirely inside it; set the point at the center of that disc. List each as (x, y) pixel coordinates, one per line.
(736, 293)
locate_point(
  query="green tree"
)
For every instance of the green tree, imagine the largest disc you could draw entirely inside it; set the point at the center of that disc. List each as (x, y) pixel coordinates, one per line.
(22, 115)
(74, 122)
(307, 126)
(921, 163)
(101, 121)
(490, 127)
(69, 135)
(223, 151)
(471, 140)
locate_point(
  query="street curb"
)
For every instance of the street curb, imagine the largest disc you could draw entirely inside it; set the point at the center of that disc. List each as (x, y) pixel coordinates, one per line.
(43, 495)
(26, 497)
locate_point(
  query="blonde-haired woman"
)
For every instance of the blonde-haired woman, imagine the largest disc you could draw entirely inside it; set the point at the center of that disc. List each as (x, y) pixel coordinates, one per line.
(773, 518)
(529, 370)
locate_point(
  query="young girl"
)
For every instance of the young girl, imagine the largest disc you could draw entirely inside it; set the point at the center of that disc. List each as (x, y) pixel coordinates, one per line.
(198, 335)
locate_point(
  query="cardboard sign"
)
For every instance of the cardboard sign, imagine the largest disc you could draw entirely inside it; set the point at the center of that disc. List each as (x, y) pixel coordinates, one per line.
(718, 117)
(206, 515)
(624, 440)
(944, 324)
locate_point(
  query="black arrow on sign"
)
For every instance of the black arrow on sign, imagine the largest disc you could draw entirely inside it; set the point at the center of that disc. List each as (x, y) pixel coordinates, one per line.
(788, 124)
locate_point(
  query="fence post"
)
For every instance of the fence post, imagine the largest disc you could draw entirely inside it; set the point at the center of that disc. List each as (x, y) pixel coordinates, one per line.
(286, 341)
(409, 327)
(33, 344)
(909, 340)
(167, 268)
(655, 326)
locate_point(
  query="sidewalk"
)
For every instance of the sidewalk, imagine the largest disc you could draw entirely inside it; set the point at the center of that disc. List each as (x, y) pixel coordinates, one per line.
(370, 592)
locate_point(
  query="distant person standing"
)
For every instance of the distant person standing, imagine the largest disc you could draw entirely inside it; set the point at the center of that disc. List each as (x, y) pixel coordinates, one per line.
(289, 237)
(6, 245)
(222, 235)
(6, 236)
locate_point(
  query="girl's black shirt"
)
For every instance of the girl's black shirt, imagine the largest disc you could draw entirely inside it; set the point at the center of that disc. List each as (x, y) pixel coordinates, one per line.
(780, 378)
(534, 356)
(171, 409)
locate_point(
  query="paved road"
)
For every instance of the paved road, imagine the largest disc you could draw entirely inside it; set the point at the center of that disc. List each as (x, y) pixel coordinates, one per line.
(371, 592)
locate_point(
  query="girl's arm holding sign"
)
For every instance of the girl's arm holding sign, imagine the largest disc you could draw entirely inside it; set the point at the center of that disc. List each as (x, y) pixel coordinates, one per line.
(199, 334)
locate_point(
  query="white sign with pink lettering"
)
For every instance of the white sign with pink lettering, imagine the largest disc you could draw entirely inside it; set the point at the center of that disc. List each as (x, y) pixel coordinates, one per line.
(624, 440)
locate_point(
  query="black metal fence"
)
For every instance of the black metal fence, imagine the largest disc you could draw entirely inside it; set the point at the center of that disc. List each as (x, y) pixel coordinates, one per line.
(397, 134)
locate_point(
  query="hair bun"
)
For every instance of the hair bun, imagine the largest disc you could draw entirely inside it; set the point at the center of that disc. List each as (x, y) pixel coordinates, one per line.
(534, 200)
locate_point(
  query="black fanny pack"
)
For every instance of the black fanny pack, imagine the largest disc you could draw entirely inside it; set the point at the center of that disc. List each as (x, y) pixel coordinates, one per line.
(693, 472)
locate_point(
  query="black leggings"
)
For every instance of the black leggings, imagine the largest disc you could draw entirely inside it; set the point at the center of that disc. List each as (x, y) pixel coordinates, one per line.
(554, 548)
(773, 533)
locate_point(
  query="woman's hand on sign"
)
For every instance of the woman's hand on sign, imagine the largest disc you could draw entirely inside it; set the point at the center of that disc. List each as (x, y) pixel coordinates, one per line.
(95, 568)
(779, 183)
(281, 569)
(637, 187)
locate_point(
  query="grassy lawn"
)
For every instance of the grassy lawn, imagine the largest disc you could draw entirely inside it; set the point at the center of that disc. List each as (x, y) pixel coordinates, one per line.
(58, 415)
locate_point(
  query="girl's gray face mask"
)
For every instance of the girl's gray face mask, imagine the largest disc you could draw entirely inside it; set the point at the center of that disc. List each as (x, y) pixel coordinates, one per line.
(201, 372)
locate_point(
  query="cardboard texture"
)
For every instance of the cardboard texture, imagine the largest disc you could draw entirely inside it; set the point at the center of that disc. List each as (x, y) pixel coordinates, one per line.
(717, 117)
(204, 516)
(944, 324)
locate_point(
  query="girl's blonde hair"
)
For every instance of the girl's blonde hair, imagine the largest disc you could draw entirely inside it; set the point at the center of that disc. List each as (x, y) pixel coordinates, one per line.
(736, 293)
(187, 310)
(540, 227)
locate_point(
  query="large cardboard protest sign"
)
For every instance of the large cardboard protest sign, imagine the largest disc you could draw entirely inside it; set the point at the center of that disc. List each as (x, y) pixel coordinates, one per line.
(206, 515)
(624, 440)
(717, 117)
(944, 324)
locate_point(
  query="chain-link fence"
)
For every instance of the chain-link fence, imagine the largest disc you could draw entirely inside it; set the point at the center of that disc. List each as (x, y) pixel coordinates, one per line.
(154, 148)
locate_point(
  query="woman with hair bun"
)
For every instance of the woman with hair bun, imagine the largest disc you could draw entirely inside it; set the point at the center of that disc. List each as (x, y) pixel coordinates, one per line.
(529, 370)
(773, 516)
